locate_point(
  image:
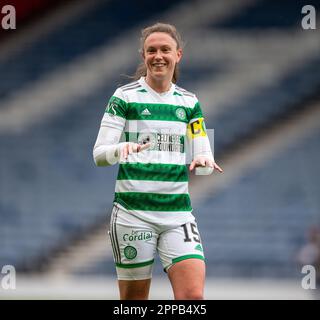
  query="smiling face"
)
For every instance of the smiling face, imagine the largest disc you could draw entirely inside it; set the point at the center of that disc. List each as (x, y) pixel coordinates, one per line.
(160, 56)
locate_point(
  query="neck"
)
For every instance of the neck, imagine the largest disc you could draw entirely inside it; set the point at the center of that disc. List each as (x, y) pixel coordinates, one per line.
(160, 86)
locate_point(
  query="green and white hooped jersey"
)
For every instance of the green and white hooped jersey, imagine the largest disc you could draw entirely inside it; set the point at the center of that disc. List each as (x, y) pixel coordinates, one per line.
(154, 182)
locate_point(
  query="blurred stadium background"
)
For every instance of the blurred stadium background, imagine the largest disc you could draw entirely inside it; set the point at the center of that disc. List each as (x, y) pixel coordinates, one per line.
(256, 73)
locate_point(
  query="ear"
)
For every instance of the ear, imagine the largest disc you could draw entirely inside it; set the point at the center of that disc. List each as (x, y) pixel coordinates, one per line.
(179, 55)
(142, 54)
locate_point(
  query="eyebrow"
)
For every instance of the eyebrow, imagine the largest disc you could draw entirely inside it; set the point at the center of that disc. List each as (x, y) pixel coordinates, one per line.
(163, 46)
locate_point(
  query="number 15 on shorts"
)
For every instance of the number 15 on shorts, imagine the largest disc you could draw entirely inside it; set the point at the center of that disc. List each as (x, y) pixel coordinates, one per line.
(192, 234)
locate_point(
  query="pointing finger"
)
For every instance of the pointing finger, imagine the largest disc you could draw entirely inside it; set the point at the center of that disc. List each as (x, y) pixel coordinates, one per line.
(142, 147)
(218, 168)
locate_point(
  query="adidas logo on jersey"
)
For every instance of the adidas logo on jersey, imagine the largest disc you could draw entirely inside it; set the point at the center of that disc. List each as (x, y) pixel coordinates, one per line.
(146, 112)
(199, 247)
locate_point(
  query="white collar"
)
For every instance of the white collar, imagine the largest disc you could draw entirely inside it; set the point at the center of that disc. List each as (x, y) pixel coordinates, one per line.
(143, 82)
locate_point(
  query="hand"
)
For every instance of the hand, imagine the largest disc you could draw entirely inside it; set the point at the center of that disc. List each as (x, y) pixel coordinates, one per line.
(132, 147)
(204, 162)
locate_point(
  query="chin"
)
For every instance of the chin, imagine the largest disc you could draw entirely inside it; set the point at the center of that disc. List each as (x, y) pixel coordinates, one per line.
(158, 76)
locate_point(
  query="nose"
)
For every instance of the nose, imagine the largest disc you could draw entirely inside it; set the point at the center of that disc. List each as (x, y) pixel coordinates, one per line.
(158, 55)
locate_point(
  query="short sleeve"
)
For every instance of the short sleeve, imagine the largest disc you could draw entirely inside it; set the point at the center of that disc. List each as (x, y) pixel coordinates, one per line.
(196, 112)
(117, 106)
(196, 126)
(116, 112)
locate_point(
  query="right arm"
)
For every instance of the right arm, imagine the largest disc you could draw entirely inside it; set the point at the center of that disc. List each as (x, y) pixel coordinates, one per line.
(107, 149)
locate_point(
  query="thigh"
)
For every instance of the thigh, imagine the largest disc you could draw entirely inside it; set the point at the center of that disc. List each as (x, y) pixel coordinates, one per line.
(181, 253)
(179, 244)
(187, 279)
(134, 245)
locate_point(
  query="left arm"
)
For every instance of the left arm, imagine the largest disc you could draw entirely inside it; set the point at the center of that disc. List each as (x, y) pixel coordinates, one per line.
(200, 145)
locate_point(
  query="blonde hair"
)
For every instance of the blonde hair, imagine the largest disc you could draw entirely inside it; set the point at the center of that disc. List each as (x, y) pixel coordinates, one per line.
(145, 33)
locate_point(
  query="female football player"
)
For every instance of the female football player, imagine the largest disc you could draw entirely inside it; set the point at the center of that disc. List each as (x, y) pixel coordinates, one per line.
(152, 210)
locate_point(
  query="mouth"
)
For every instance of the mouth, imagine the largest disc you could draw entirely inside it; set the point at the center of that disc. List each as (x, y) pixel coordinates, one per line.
(158, 65)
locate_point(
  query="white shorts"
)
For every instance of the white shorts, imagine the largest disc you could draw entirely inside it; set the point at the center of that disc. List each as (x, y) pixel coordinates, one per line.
(135, 242)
